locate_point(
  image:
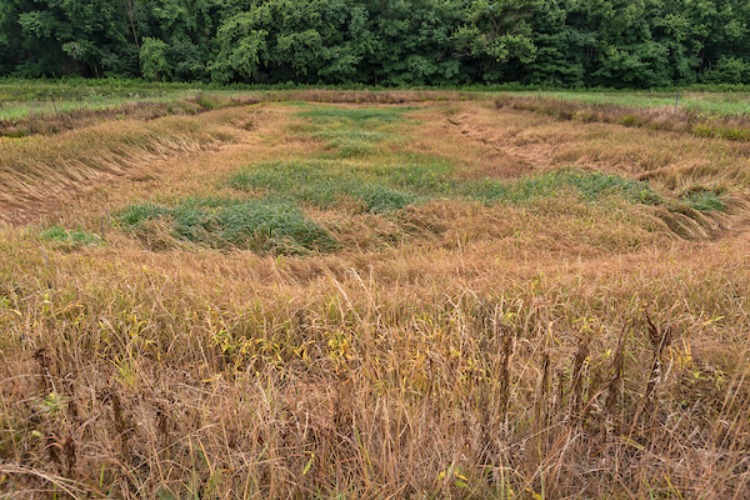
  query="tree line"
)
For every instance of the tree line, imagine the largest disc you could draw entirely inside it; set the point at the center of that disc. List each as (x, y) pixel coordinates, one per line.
(562, 43)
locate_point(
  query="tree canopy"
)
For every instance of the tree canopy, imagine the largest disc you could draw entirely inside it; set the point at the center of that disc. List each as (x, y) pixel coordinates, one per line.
(614, 43)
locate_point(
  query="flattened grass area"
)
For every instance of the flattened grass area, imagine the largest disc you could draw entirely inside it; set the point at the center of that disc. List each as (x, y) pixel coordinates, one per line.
(382, 185)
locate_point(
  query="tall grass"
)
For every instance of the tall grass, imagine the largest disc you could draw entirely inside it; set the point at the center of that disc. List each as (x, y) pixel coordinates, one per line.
(213, 377)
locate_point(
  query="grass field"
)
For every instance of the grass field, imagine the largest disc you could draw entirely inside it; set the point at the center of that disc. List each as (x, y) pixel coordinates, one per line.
(722, 103)
(322, 293)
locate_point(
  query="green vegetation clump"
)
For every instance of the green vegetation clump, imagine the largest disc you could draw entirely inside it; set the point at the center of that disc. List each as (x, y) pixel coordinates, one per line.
(338, 137)
(705, 200)
(351, 132)
(320, 183)
(310, 182)
(384, 188)
(589, 185)
(349, 143)
(263, 226)
(135, 214)
(357, 116)
(73, 238)
(324, 183)
(382, 199)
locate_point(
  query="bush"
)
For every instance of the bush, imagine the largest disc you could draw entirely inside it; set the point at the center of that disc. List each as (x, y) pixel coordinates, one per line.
(728, 70)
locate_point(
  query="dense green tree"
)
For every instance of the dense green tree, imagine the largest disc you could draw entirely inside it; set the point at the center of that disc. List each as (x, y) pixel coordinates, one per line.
(620, 43)
(153, 56)
(58, 37)
(558, 56)
(495, 32)
(286, 40)
(411, 42)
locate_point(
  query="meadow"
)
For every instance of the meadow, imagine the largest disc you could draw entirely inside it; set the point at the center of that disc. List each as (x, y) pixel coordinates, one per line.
(221, 293)
(713, 102)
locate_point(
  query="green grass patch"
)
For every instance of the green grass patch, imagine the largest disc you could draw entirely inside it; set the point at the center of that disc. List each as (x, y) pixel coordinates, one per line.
(382, 199)
(362, 117)
(263, 226)
(705, 200)
(590, 186)
(346, 135)
(351, 132)
(310, 182)
(348, 149)
(426, 176)
(384, 188)
(74, 238)
(325, 183)
(348, 142)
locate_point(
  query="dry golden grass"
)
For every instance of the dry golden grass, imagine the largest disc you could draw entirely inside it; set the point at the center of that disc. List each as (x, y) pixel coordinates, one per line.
(55, 122)
(39, 170)
(553, 348)
(534, 142)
